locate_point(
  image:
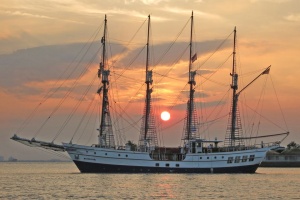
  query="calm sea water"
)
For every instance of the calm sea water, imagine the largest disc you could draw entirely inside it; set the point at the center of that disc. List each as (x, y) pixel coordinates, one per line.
(63, 181)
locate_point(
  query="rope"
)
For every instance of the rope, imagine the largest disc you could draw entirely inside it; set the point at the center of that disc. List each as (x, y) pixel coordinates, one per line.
(75, 109)
(279, 103)
(67, 93)
(82, 118)
(217, 49)
(48, 95)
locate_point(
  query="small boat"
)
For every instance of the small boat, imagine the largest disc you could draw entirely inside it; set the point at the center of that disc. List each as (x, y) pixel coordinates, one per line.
(196, 155)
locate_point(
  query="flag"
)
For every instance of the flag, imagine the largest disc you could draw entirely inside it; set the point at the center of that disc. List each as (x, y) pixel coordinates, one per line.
(267, 71)
(194, 58)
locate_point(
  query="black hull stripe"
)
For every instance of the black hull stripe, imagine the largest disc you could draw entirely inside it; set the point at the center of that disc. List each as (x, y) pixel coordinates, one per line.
(86, 167)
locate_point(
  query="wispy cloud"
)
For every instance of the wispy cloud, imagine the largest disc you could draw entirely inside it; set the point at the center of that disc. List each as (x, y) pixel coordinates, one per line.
(20, 13)
(293, 17)
(146, 2)
(271, 1)
(116, 11)
(181, 11)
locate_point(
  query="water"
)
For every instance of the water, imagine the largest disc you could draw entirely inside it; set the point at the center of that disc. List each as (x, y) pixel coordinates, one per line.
(63, 181)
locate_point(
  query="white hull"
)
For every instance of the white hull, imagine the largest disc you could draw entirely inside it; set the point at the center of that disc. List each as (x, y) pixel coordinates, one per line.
(94, 159)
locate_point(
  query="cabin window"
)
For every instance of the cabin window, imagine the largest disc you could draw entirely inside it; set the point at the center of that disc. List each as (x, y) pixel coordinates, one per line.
(87, 151)
(207, 157)
(237, 159)
(119, 155)
(286, 158)
(167, 165)
(94, 152)
(106, 154)
(156, 164)
(222, 156)
(200, 158)
(215, 157)
(251, 157)
(244, 159)
(126, 155)
(230, 159)
(177, 165)
(293, 158)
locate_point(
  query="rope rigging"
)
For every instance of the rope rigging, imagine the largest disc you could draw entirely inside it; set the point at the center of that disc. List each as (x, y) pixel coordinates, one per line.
(75, 108)
(264, 117)
(67, 93)
(50, 93)
(92, 112)
(120, 112)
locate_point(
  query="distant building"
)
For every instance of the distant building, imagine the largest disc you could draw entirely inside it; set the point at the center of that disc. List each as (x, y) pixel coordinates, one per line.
(1, 158)
(281, 161)
(286, 159)
(12, 159)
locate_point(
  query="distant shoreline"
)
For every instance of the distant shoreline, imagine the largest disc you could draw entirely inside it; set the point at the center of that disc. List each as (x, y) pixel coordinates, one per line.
(5, 161)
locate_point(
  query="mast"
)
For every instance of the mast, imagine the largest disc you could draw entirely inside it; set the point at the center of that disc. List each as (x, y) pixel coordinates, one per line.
(148, 129)
(106, 137)
(148, 82)
(234, 128)
(234, 87)
(192, 83)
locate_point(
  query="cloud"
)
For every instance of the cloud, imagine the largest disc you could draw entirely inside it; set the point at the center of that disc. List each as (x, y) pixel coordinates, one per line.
(47, 63)
(271, 1)
(200, 94)
(19, 13)
(35, 70)
(208, 104)
(173, 55)
(146, 2)
(293, 17)
(25, 14)
(110, 9)
(182, 11)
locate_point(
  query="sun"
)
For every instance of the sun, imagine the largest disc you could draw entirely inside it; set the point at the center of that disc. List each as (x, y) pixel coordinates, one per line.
(165, 115)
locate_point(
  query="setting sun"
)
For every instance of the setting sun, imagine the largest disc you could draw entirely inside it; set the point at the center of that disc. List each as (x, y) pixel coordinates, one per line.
(165, 115)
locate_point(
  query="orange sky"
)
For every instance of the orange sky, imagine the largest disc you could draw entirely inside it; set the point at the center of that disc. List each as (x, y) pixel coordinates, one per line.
(39, 39)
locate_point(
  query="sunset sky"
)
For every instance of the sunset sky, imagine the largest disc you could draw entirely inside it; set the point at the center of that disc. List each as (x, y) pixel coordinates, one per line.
(40, 39)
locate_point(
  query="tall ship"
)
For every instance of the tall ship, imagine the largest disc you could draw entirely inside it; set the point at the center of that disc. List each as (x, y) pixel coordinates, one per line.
(195, 155)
